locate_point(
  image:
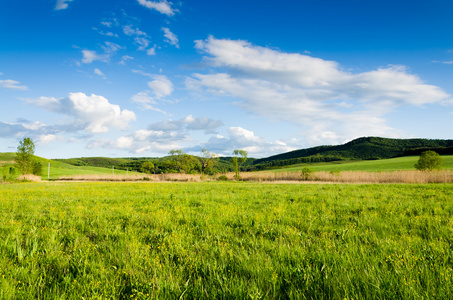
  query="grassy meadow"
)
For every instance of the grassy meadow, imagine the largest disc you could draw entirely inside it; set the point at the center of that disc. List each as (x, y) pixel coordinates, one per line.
(227, 240)
(404, 163)
(59, 169)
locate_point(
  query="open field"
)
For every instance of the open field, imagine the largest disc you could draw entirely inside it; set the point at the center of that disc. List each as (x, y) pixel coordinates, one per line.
(405, 163)
(59, 169)
(225, 240)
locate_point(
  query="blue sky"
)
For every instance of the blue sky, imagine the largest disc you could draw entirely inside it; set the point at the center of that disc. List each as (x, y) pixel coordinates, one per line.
(140, 77)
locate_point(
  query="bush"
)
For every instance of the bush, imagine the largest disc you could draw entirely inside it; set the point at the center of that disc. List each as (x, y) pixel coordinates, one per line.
(307, 173)
(222, 178)
(429, 160)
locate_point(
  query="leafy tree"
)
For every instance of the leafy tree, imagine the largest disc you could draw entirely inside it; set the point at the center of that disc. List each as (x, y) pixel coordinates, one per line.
(147, 167)
(429, 160)
(207, 160)
(24, 156)
(190, 164)
(36, 167)
(177, 156)
(240, 157)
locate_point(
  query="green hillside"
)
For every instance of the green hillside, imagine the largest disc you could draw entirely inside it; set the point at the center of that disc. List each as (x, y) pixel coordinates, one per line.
(382, 165)
(366, 148)
(57, 168)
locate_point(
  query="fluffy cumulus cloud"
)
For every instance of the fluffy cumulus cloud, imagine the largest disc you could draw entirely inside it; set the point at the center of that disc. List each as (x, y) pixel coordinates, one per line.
(240, 138)
(162, 136)
(164, 7)
(161, 86)
(92, 112)
(331, 104)
(170, 37)
(62, 4)
(12, 84)
(142, 141)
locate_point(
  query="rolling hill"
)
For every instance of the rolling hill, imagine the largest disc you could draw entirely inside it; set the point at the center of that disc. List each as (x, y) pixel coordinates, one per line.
(365, 148)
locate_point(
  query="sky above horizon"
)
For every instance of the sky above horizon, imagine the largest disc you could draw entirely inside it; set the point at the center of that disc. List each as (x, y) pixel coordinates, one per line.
(140, 78)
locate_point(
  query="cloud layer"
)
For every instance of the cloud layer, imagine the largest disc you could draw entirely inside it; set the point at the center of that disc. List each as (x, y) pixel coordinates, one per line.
(331, 104)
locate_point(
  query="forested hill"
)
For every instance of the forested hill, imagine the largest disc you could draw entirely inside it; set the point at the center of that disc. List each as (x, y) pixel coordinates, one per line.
(362, 148)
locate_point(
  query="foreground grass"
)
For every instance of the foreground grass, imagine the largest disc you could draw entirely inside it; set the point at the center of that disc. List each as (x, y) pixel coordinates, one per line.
(225, 240)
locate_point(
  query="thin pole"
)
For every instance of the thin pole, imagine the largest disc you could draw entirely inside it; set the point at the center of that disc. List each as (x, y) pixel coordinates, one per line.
(48, 171)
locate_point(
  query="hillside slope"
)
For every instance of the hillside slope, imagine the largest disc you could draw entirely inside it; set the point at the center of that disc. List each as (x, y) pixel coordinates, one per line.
(365, 148)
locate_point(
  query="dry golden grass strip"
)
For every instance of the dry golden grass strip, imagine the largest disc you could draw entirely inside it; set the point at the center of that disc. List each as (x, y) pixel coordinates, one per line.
(444, 176)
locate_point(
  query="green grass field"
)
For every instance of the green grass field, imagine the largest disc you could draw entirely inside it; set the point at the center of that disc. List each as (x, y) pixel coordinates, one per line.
(58, 169)
(392, 164)
(225, 240)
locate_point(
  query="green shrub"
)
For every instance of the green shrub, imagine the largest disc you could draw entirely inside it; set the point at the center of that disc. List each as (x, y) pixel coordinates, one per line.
(307, 174)
(222, 178)
(429, 160)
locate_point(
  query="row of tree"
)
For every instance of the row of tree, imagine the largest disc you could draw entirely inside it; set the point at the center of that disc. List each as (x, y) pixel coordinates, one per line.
(180, 162)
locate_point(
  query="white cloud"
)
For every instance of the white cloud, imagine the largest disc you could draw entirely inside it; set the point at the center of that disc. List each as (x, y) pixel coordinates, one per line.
(190, 123)
(164, 7)
(109, 48)
(62, 4)
(89, 56)
(146, 101)
(95, 112)
(99, 72)
(163, 136)
(331, 104)
(12, 84)
(151, 51)
(161, 86)
(106, 33)
(240, 138)
(142, 141)
(124, 59)
(171, 38)
(128, 30)
(142, 43)
(48, 138)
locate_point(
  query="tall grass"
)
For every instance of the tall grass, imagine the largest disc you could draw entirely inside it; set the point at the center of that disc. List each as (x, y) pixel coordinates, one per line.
(444, 176)
(225, 241)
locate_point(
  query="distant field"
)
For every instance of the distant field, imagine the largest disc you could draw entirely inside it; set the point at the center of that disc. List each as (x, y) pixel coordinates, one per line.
(58, 169)
(392, 164)
(225, 240)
